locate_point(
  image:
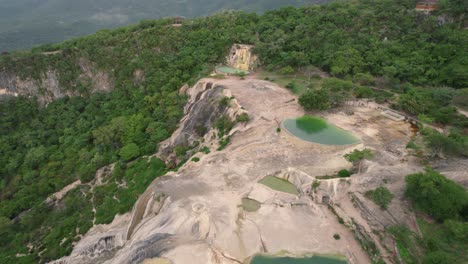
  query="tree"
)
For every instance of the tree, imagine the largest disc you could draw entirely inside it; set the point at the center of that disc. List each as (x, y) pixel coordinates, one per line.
(315, 100)
(436, 195)
(129, 152)
(357, 156)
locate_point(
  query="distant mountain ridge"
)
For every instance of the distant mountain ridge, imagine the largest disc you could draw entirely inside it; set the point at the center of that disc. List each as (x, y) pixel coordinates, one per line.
(27, 23)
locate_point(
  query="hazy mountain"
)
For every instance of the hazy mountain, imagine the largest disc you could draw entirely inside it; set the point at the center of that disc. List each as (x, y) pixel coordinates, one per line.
(25, 23)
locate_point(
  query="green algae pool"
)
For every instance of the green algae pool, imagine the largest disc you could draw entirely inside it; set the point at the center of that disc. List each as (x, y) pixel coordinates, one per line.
(262, 259)
(250, 205)
(229, 70)
(279, 184)
(317, 130)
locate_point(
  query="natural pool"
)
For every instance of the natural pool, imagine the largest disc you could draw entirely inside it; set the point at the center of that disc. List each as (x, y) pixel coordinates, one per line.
(279, 184)
(229, 70)
(250, 205)
(317, 130)
(261, 259)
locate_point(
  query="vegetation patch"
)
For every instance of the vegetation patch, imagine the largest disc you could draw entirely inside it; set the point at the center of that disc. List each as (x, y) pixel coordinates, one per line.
(381, 196)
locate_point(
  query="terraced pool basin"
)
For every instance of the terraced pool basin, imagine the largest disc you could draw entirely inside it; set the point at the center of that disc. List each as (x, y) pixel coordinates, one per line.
(229, 70)
(250, 205)
(262, 259)
(318, 130)
(279, 184)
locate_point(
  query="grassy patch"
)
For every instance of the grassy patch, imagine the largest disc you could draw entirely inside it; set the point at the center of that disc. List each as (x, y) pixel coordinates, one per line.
(298, 83)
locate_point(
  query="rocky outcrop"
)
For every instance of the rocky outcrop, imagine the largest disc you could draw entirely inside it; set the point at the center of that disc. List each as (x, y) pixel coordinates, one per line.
(48, 88)
(241, 57)
(196, 214)
(203, 108)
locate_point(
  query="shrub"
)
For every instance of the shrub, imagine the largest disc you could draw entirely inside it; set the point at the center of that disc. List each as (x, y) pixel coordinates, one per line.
(363, 92)
(358, 155)
(224, 101)
(244, 117)
(287, 70)
(181, 150)
(412, 145)
(381, 196)
(336, 236)
(278, 129)
(291, 86)
(315, 185)
(223, 143)
(335, 85)
(195, 159)
(438, 257)
(344, 173)
(457, 229)
(224, 124)
(364, 79)
(315, 100)
(436, 195)
(129, 152)
(205, 150)
(454, 144)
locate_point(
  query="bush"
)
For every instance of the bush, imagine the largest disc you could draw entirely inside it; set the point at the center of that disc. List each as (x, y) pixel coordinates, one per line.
(344, 173)
(223, 143)
(336, 236)
(205, 150)
(181, 150)
(195, 159)
(438, 257)
(244, 117)
(359, 155)
(315, 100)
(364, 79)
(224, 124)
(129, 152)
(454, 144)
(363, 92)
(224, 101)
(457, 230)
(287, 70)
(335, 85)
(381, 196)
(291, 86)
(436, 195)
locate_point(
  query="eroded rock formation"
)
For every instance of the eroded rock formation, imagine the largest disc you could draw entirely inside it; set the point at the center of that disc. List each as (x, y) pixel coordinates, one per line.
(48, 88)
(241, 57)
(195, 215)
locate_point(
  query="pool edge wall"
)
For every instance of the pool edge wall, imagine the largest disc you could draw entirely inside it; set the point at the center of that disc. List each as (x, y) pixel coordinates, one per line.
(309, 144)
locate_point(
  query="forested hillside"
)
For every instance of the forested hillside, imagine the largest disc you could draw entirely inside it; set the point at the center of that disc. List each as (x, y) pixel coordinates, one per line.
(27, 23)
(43, 149)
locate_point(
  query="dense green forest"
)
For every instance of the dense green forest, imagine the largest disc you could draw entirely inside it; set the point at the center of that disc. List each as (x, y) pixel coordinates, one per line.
(385, 44)
(26, 23)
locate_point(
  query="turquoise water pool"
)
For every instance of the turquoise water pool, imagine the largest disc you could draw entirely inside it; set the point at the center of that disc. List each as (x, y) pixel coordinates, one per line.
(261, 259)
(317, 130)
(230, 70)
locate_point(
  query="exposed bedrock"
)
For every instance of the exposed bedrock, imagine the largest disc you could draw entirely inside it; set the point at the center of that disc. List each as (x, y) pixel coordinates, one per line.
(48, 87)
(196, 215)
(203, 108)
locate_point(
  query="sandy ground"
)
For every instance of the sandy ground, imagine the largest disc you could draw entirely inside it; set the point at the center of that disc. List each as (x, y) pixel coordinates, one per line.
(202, 220)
